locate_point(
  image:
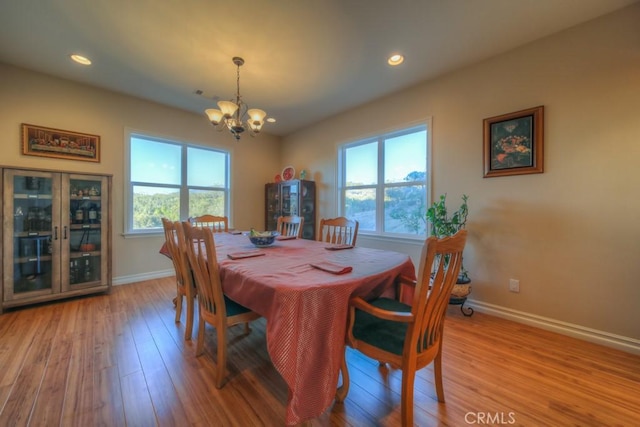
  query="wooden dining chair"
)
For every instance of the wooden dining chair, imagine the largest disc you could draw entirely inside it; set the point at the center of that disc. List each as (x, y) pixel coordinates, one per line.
(184, 281)
(217, 224)
(408, 337)
(290, 226)
(214, 307)
(339, 230)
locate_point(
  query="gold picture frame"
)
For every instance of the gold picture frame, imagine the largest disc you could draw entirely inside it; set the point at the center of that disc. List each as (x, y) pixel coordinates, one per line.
(514, 143)
(60, 144)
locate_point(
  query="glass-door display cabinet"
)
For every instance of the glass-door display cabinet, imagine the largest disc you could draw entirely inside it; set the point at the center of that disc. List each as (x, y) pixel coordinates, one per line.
(56, 238)
(291, 198)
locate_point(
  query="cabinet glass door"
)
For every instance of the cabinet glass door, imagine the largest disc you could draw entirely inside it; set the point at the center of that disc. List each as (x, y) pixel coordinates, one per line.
(308, 200)
(272, 200)
(290, 199)
(31, 234)
(83, 262)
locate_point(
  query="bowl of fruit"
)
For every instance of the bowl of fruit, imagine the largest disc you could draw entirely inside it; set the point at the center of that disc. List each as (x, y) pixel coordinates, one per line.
(262, 238)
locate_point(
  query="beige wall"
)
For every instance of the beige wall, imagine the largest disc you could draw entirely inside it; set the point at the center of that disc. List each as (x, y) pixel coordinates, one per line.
(28, 97)
(570, 235)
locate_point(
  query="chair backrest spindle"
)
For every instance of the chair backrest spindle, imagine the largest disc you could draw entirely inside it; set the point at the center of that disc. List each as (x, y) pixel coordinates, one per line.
(217, 224)
(290, 226)
(341, 231)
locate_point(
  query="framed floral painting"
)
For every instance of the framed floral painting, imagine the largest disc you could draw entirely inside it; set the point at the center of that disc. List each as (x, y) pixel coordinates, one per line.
(514, 143)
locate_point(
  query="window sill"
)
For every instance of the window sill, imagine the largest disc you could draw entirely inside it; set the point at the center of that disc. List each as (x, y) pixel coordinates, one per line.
(382, 239)
(142, 234)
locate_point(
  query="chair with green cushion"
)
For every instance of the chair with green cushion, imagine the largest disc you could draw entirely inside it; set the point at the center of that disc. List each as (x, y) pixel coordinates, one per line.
(408, 337)
(215, 308)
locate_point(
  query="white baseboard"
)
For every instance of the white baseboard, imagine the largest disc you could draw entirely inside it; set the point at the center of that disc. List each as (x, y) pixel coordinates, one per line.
(123, 280)
(630, 345)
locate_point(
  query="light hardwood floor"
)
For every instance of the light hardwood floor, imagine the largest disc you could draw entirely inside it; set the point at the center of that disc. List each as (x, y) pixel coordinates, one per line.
(120, 359)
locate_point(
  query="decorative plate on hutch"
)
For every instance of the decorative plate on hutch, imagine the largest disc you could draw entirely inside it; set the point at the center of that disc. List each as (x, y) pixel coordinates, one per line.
(288, 173)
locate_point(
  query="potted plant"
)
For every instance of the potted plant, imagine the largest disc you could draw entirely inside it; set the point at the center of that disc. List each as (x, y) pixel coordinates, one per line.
(443, 225)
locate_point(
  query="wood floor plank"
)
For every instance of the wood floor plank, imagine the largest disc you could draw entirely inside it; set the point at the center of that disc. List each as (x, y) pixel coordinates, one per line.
(108, 401)
(78, 403)
(27, 385)
(193, 379)
(166, 401)
(120, 359)
(138, 407)
(47, 410)
(17, 340)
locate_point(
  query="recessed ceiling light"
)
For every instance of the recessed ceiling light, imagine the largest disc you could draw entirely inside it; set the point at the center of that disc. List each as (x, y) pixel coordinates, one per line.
(81, 59)
(395, 59)
(271, 120)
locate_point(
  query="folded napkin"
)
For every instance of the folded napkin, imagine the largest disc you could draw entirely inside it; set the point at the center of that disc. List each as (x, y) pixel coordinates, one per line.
(247, 254)
(338, 247)
(332, 267)
(286, 237)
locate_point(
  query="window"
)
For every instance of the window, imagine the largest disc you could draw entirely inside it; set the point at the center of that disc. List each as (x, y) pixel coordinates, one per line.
(384, 182)
(173, 180)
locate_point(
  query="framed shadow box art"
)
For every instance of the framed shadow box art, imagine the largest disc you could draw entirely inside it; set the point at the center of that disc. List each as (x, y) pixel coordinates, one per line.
(61, 144)
(514, 143)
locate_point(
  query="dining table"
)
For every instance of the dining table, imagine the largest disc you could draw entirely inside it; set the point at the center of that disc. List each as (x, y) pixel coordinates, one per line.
(302, 288)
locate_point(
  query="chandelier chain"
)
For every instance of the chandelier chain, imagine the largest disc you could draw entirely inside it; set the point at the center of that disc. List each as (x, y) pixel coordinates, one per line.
(238, 83)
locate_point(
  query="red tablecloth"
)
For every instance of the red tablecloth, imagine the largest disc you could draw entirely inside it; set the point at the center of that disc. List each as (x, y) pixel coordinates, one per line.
(305, 307)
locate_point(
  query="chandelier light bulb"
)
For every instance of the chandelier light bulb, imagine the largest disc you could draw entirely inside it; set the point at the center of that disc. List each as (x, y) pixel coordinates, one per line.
(228, 108)
(215, 116)
(256, 115)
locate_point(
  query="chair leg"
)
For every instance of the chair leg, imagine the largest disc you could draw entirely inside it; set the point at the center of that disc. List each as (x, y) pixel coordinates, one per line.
(178, 303)
(406, 397)
(200, 345)
(437, 372)
(343, 390)
(189, 328)
(222, 356)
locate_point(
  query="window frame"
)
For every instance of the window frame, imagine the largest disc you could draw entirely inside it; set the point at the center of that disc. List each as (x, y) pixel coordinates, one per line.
(184, 188)
(381, 186)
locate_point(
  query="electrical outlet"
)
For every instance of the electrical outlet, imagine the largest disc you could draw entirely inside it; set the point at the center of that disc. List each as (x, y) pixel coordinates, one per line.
(514, 285)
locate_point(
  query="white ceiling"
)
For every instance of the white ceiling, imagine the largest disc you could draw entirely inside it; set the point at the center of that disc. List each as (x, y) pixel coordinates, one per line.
(306, 60)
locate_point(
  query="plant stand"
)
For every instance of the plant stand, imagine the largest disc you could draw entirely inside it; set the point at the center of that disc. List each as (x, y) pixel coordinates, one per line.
(468, 311)
(458, 296)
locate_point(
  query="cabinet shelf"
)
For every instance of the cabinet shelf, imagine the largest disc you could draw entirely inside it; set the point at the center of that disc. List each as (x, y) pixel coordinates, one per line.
(23, 196)
(81, 254)
(80, 198)
(95, 226)
(46, 233)
(24, 259)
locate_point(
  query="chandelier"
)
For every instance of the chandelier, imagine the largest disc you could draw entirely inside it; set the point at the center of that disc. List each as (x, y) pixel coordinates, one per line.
(236, 116)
